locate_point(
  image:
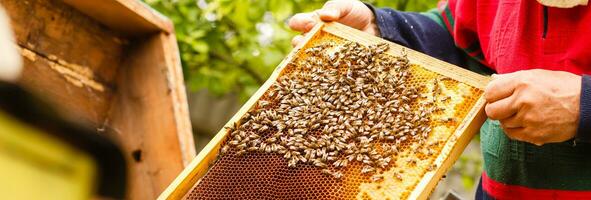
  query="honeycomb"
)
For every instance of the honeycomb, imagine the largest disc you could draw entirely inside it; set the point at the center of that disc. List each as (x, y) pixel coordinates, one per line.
(238, 174)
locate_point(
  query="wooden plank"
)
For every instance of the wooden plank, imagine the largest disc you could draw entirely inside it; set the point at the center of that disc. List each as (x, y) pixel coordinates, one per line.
(143, 117)
(452, 150)
(62, 61)
(179, 97)
(54, 30)
(67, 89)
(130, 17)
(200, 164)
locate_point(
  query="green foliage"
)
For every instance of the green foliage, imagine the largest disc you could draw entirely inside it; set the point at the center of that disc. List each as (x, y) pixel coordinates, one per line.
(470, 166)
(234, 45)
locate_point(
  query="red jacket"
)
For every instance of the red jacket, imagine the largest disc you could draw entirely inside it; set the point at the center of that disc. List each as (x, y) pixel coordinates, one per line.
(512, 35)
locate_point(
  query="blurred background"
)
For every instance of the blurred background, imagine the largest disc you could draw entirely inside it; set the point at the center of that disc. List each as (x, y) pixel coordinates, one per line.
(226, 57)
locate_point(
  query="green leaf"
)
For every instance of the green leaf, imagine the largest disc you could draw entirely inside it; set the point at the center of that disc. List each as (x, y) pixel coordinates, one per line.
(200, 46)
(281, 9)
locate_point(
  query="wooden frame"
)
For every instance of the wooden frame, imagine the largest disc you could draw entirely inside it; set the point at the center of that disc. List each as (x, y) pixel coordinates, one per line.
(465, 131)
(112, 65)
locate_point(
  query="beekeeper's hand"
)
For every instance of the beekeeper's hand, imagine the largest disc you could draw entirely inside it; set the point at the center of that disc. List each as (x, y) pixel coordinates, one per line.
(535, 106)
(352, 13)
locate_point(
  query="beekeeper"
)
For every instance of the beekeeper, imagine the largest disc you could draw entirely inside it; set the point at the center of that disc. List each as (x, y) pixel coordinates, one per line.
(535, 143)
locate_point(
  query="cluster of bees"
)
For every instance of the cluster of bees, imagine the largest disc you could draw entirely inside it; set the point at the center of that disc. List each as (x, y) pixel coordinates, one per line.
(342, 104)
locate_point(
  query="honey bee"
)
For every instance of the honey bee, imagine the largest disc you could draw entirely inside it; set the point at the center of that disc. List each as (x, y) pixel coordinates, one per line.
(337, 175)
(234, 142)
(377, 177)
(319, 163)
(225, 149)
(268, 149)
(292, 163)
(271, 140)
(367, 169)
(241, 152)
(303, 159)
(262, 146)
(253, 148)
(447, 119)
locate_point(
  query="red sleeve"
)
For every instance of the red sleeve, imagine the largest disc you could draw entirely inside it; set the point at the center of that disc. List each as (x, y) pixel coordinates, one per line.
(459, 17)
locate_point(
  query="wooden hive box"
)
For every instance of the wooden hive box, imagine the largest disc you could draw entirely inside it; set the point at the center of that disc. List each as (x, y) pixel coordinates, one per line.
(217, 172)
(113, 65)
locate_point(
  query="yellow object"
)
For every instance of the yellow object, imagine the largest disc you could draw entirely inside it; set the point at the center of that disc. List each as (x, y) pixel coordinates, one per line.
(34, 165)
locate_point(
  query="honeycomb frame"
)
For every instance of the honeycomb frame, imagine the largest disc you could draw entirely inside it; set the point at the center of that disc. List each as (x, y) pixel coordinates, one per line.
(449, 152)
